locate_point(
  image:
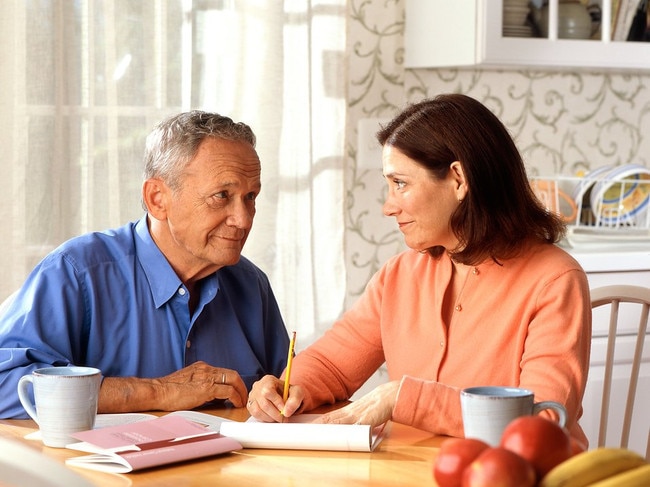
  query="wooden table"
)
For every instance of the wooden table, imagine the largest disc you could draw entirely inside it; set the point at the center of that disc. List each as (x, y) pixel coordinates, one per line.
(405, 457)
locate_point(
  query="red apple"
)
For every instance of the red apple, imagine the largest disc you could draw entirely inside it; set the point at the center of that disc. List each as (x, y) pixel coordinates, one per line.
(543, 442)
(454, 455)
(498, 467)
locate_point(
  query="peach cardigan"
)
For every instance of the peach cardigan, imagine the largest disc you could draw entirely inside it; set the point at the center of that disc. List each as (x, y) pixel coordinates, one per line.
(525, 322)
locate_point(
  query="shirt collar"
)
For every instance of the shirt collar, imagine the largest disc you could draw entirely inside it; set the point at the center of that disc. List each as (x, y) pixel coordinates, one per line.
(163, 281)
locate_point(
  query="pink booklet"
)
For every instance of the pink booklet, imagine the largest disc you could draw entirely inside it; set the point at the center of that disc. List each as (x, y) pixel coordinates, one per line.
(151, 443)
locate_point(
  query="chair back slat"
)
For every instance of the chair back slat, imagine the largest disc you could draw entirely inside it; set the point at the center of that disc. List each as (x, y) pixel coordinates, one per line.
(609, 370)
(614, 296)
(634, 376)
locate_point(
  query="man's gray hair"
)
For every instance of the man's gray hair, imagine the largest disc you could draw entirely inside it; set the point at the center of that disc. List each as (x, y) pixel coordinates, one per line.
(173, 143)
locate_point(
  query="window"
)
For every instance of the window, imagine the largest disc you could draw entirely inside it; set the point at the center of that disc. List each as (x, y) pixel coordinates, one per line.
(85, 81)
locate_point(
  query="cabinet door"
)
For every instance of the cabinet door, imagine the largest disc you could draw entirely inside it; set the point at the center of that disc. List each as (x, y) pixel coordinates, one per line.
(441, 33)
(457, 33)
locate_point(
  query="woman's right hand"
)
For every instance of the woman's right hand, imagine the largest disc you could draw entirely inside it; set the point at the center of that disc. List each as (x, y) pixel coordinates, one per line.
(265, 400)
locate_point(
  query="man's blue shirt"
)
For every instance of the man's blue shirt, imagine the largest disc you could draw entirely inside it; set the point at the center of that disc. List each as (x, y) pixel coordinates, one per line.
(111, 300)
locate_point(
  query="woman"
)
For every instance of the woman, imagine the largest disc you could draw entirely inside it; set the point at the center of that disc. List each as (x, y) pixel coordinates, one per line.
(482, 297)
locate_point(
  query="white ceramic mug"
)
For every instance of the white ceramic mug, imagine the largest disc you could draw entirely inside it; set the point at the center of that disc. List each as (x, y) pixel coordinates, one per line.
(488, 410)
(66, 401)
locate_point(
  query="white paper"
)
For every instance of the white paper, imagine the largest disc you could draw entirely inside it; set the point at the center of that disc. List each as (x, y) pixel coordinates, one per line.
(301, 434)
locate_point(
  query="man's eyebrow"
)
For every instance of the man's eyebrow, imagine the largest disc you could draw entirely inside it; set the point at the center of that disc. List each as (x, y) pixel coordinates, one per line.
(226, 184)
(236, 184)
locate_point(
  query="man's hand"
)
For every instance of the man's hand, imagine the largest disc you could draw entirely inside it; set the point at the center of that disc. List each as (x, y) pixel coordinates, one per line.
(186, 388)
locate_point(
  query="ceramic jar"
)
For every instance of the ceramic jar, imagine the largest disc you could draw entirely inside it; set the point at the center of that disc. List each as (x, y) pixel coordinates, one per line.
(574, 21)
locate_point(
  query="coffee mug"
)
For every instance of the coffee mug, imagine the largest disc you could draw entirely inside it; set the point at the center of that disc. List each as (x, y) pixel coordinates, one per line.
(488, 410)
(66, 401)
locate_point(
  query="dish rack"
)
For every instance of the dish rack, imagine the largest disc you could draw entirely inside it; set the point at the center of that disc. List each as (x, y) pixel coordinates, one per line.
(598, 208)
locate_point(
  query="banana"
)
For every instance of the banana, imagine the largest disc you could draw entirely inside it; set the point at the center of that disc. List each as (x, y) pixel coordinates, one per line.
(636, 477)
(592, 466)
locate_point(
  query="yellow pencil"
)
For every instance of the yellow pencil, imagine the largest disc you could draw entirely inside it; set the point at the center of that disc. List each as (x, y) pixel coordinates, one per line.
(287, 374)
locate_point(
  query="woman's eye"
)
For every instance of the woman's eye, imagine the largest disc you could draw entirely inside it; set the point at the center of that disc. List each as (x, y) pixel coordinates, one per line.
(399, 184)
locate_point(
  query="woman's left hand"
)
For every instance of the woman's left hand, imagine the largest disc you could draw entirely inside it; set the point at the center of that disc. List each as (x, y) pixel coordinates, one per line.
(374, 408)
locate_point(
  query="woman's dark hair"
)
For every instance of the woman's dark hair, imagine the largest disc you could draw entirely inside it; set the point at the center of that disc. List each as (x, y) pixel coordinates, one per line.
(500, 212)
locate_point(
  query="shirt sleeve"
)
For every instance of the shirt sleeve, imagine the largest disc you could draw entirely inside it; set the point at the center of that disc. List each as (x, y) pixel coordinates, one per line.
(275, 337)
(38, 328)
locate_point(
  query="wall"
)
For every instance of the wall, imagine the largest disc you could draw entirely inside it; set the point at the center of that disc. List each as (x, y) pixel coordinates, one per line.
(563, 122)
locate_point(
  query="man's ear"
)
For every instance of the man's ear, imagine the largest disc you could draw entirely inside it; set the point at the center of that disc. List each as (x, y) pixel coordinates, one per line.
(154, 196)
(458, 174)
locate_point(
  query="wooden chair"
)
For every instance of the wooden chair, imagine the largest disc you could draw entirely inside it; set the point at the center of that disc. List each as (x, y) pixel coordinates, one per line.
(614, 296)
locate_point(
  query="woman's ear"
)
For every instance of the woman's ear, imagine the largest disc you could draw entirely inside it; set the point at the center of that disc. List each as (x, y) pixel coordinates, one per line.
(154, 196)
(458, 175)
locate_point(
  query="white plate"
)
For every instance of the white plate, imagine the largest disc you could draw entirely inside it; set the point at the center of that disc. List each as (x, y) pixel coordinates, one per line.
(622, 195)
(586, 183)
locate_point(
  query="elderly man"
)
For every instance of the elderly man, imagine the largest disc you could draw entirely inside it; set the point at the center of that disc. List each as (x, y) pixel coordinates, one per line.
(166, 307)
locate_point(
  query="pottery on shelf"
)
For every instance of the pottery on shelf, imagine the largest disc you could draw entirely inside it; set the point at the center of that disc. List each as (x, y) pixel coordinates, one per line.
(574, 21)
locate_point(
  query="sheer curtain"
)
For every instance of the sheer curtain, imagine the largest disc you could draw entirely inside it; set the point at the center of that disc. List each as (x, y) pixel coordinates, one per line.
(84, 81)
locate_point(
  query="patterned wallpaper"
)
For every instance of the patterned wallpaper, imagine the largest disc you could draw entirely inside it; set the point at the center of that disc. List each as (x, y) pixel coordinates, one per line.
(563, 122)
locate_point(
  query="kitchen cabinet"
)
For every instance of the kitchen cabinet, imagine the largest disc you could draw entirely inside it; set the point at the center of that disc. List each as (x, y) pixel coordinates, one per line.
(608, 266)
(468, 33)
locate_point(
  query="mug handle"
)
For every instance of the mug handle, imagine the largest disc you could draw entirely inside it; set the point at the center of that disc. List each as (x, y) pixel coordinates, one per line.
(23, 395)
(555, 406)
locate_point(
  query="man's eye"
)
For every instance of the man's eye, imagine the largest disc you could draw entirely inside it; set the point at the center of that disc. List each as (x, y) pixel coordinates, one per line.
(251, 196)
(220, 195)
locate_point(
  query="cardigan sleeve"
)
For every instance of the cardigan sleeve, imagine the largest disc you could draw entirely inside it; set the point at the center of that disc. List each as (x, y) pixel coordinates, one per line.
(339, 362)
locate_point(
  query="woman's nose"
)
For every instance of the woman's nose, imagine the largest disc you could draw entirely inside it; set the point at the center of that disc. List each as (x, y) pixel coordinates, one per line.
(388, 208)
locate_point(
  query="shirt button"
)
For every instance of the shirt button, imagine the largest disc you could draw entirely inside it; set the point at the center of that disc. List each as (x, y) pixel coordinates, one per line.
(181, 291)
(188, 344)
